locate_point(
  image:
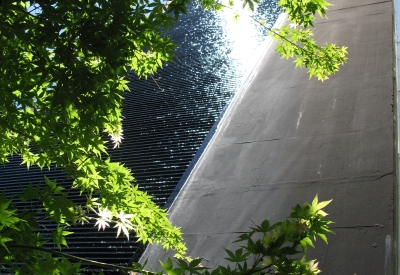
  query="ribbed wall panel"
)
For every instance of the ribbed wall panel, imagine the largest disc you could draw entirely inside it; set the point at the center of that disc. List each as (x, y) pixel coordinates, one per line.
(163, 128)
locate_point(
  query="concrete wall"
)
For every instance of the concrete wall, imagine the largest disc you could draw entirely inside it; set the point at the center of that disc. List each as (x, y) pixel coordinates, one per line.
(286, 138)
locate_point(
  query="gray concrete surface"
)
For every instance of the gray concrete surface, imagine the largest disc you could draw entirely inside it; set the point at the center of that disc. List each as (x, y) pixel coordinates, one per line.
(286, 138)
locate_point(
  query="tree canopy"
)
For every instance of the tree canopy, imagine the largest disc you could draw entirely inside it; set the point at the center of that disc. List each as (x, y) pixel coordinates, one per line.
(64, 67)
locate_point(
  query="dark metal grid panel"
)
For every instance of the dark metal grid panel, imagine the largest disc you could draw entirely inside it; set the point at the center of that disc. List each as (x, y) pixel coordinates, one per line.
(163, 129)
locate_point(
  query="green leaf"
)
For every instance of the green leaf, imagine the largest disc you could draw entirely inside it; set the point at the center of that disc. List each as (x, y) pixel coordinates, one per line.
(183, 264)
(323, 237)
(304, 242)
(66, 268)
(7, 217)
(265, 226)
(195, 263)
(46, 265)
(58, 237)
(56, 189)
(59, 208)
(30, 193)
(231, 255)
(167, 266)
(322, 204)
(3, 241)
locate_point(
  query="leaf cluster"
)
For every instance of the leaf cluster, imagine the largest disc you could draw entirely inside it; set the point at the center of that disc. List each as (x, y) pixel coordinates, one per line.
(302, 12)
(64, 67)
(299, 45)
(295, 41)
(278, 248)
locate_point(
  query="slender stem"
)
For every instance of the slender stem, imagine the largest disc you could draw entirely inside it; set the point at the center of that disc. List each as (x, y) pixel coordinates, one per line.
(281, 36)
(156, 83)
(268, 29)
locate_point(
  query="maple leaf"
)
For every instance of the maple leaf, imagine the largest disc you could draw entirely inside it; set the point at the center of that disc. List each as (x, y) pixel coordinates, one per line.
(124, 227)
(105, 216)
(124, 223)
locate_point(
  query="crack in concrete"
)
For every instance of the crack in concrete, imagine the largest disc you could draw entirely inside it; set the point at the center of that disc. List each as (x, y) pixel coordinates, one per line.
(279, 185)
(294, 137)
(362, 5)
(375, 13)
(245, 142)
(382, 176)
(328, 21)
(358, 226)
(217, 233)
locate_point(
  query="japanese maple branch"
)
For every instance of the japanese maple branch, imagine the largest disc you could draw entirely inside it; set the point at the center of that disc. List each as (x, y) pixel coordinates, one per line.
(79, 259)
(275, 33)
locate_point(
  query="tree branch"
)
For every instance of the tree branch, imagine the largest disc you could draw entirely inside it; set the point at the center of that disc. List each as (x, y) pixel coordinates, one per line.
(79, 259)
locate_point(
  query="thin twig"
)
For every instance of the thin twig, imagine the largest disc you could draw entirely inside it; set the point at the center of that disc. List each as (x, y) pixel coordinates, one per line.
(272, 31)
(79, 259)
(156, 83)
